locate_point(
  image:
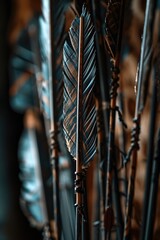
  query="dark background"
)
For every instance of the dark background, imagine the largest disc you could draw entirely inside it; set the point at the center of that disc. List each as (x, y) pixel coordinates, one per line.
(13, 225)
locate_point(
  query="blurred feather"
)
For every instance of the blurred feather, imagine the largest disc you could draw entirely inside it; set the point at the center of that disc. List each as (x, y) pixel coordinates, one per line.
(112, 26)
(22, 79)
(23, 74)
(31, 192)
(36, 176)
(59, 23)
(70, 63)
(22, 13)
(52, 45)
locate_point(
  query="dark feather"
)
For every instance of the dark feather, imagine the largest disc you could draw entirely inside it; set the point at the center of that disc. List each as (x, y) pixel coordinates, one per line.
(70, 63)
(59, 33)
(59, 21)
(112, 26)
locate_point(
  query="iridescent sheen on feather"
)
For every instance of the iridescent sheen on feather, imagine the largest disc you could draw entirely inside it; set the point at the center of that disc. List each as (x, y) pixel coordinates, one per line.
(70, 64)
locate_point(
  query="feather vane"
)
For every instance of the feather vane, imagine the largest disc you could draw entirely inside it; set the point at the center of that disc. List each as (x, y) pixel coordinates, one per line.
(70, 63)
(112, 25)
(60, 8)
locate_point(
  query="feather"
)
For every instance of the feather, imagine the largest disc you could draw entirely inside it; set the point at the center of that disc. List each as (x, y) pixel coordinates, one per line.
(56, 21)
(59, 37)
(22, 77)
(59, 32)
(31, 191)
(23, 72)
(35, 174)
(113, 24)
(88, 113)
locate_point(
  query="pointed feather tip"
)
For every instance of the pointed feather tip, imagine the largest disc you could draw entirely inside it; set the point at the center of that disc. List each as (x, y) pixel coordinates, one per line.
(84, 13)
(87, 16)
(74, 28)
(84, 10)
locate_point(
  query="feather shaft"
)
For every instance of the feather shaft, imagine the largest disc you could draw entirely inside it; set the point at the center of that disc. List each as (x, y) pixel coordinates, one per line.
(53, 134)
(79, 110)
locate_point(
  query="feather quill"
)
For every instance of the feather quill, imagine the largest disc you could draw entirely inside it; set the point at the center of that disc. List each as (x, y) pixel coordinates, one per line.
(70, 63)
